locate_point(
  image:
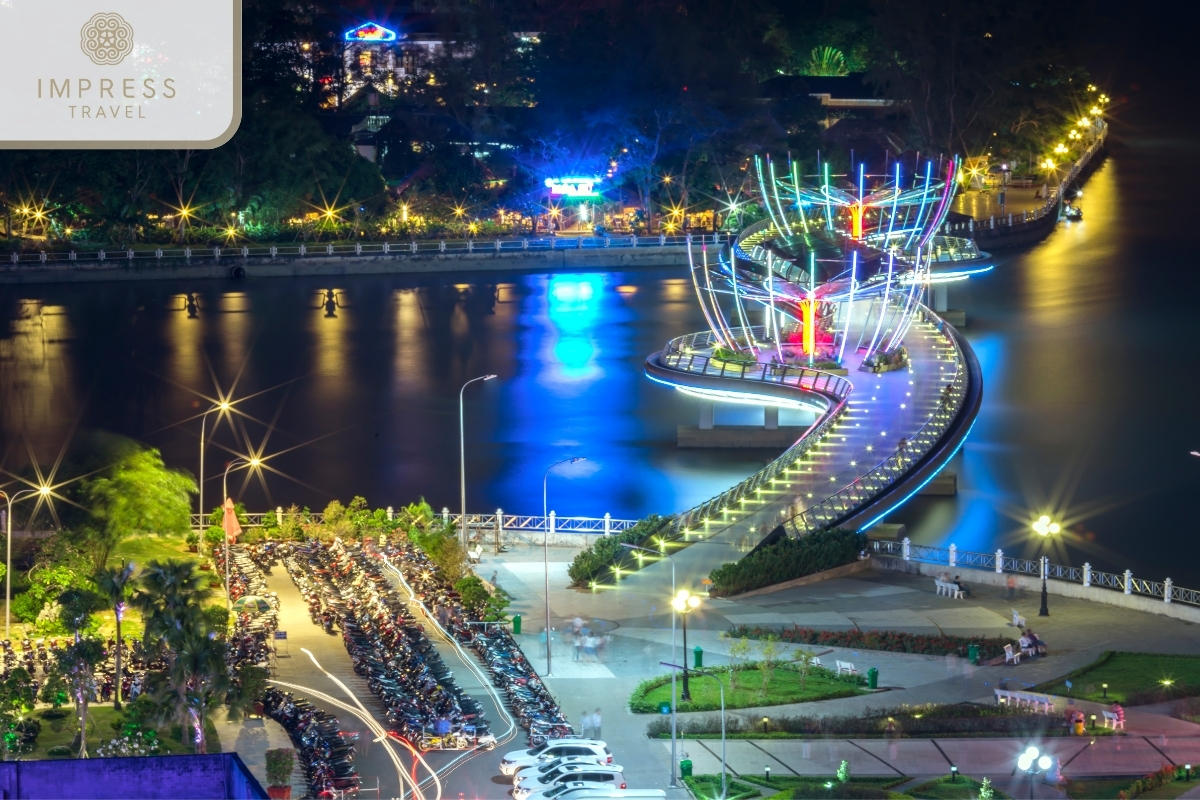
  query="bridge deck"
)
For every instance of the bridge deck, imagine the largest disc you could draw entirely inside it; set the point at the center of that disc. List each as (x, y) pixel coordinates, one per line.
(884, 409)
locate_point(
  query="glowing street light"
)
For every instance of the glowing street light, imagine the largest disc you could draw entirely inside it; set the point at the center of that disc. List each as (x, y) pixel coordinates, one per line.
(462, 456)
(223, 407)
(44, 491)
(685, 603)
(1033, 762)
(1044, 527)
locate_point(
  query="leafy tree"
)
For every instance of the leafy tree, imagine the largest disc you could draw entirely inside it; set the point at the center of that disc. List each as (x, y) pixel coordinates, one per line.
(139, 495)
(76, 607)
(740, 649)
(77, 662)
(770, 651)
(197, 677)
(804, 661)
(16, 700)
(116, 584)
(54, 689)
(472, 593)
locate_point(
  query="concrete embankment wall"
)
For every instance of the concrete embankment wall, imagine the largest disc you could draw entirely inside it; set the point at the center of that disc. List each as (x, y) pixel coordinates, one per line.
(1031, 583)
(311, 266)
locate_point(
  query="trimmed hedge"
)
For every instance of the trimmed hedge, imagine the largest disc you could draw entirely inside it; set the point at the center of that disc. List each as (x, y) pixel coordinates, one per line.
(596, 561)
(887, 641)
(788, 559)
(638, 704)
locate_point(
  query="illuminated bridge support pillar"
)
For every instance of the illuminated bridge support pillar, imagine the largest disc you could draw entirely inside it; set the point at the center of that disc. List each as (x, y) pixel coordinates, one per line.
(707, 413)
(940, 297)
(771, 418)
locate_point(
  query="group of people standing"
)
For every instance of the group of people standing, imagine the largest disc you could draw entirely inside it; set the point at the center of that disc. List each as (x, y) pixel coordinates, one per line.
(589, 724)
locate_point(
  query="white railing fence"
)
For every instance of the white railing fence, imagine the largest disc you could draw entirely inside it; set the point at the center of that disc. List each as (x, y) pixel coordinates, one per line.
(499, 521)
(998, 562)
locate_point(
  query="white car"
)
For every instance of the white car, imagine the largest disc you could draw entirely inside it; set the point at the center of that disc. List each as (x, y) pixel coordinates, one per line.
(576, 789)
(570, 773)
(552, 749)
(542, 767)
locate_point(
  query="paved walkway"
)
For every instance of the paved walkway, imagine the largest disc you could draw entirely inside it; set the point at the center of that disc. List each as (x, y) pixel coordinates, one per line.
(251, 739)
(982, 205)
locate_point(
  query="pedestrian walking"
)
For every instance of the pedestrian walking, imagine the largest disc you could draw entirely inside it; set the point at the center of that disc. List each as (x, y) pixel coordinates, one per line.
(1011, 583)
(589, 647)
(585, 725)
(596, 720)
(577, 640)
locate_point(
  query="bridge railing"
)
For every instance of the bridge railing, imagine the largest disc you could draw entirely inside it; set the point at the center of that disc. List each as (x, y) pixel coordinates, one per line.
(997, 562)
(834, 388)
(501, 521)
(849, 499)
(116, 259)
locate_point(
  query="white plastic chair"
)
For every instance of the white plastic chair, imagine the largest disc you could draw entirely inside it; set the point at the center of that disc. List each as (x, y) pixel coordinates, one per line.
(1009, 656)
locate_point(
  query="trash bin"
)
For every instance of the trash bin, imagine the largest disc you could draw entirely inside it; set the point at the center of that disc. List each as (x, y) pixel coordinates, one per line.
(516, 623)
(973, 654)
(698, 654)
(873, 678)
(685, 768)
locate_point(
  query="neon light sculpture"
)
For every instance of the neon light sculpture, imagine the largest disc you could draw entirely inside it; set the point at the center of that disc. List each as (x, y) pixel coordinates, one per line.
(370, 32)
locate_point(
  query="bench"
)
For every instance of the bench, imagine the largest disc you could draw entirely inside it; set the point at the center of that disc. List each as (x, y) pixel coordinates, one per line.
(948, 589)
(846, 667)
(1009, 656)
(1039, 702)
(1113, 719)
(1018, 620)
(473, 555)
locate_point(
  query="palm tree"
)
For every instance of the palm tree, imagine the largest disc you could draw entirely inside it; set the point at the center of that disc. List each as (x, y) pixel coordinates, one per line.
(170, 600)
(114, 584)
(197, 677)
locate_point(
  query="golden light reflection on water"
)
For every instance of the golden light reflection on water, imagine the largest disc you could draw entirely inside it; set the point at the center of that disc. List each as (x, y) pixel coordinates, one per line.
(40, 394)
(330, 327)
(186, 337)
(411, 368)
(235, 320)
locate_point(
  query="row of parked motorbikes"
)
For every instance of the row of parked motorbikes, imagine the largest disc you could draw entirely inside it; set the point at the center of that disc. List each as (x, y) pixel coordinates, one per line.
(389, 649)
(253, 624)
(326, 751)
(529, 700)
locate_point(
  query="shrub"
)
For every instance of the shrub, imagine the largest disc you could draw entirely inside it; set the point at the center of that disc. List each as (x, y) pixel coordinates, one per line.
(599, 557)
(279, 766)
(638, 703)
(60, 750)
(887, 641)
(734, 356)
(472, 592)
(787, 559)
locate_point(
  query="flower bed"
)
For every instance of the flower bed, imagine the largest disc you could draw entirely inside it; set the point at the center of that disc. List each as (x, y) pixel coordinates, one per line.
(887, 641)
(783, 688)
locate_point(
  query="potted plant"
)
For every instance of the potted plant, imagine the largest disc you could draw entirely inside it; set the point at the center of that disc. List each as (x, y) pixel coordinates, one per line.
(193, 542)
(279, 772)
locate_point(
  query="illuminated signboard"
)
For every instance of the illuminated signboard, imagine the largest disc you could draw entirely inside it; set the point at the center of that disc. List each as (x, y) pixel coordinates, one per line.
(370, 32)
(573, 187)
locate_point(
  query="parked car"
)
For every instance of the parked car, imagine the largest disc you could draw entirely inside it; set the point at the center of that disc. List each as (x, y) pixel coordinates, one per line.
(586, 791)
(552, 749)
(570, 773)
(542, 767)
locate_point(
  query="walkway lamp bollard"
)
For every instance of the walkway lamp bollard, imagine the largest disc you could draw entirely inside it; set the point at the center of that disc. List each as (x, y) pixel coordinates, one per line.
(685, 603)
(462, 457)
(222, 406)
(1045, 528)
(1033, 763)
(674, 757)
(546, 548)
(9, 500)
(245, 462)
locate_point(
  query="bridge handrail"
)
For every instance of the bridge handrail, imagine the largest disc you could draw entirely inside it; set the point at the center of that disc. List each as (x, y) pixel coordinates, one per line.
(522, 522)
(838, 505)
(834, 387)
(115, 259)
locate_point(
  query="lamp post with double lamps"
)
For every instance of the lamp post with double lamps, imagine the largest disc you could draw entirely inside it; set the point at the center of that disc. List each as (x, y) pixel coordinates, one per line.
(462, 457)
(1045, 528)
(1031, 762)
(673, 784)
(222, 406)
(245, 462)
(10, 499)
(546, 547)
(685, 603)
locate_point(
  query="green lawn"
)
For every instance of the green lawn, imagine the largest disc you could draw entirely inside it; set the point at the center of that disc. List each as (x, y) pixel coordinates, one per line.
(784, 688)
(964, 788)
(60, 731)
(1136, 677)
(1108, 789)
(141, 549)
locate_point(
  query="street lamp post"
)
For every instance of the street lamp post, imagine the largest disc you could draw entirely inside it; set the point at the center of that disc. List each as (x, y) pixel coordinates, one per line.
(462, 458)
(249, 462)
(674, 760)
(10, 499)
(1027, 761)
(222, 406)
(1045, 528)
(685, 603)
(721, 687)
(546, 547)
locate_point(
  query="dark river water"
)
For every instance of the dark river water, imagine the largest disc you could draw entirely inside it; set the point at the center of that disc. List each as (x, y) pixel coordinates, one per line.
(1089, 341)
